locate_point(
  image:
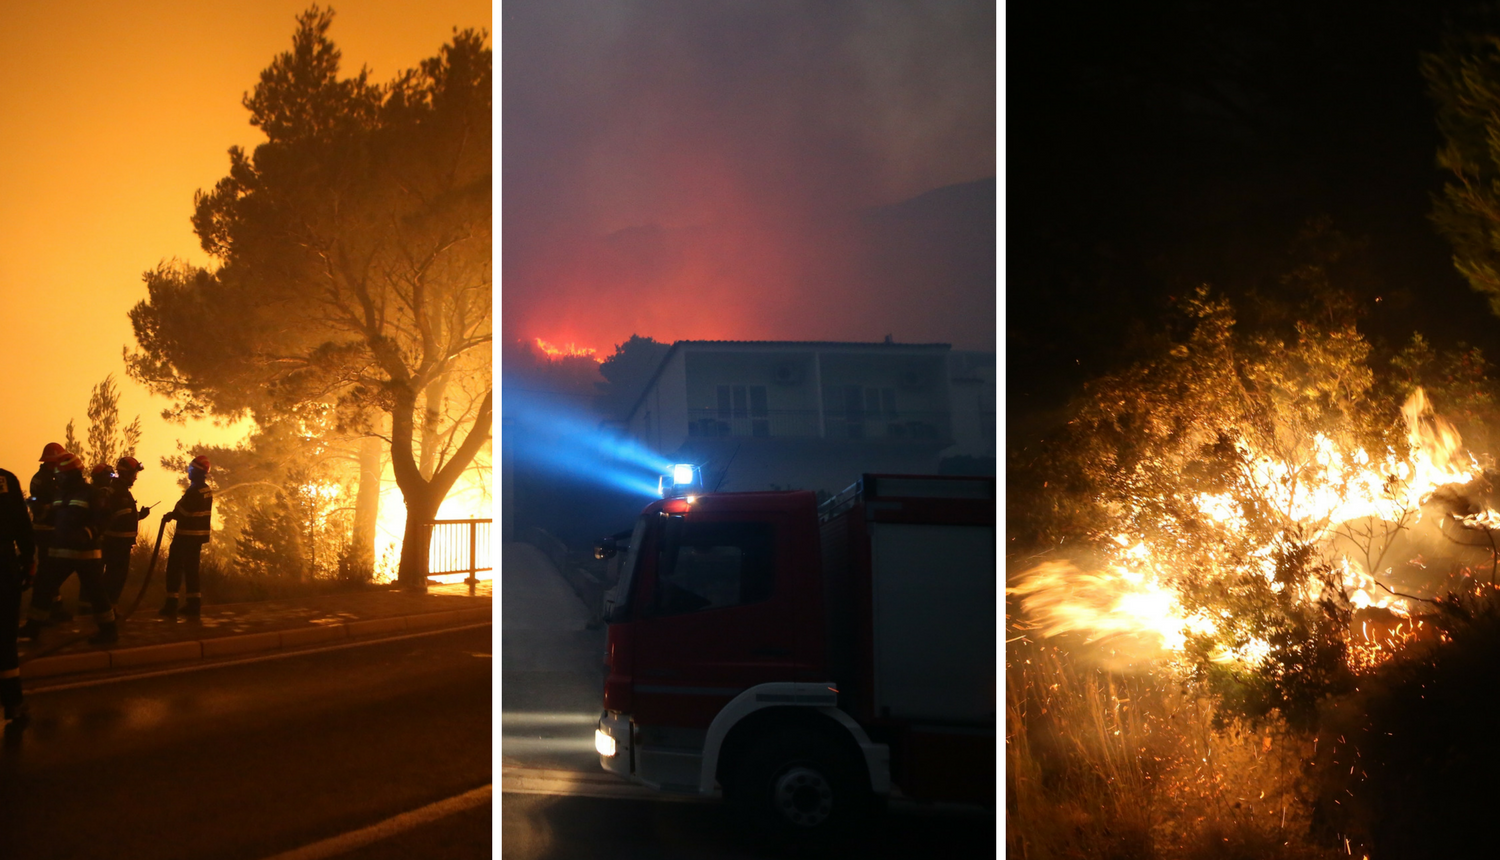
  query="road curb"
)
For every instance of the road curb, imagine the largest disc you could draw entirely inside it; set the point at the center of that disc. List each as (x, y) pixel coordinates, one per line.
(247, 643)
(168, 652)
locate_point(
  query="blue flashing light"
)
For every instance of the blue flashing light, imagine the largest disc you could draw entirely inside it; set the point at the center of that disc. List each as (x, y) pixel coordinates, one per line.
(682, 480)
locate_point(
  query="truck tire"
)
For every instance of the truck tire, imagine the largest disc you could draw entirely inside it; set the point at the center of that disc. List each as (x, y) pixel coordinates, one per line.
(795, 784)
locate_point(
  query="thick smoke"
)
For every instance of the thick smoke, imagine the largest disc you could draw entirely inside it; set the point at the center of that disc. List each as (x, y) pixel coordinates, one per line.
(689, 169)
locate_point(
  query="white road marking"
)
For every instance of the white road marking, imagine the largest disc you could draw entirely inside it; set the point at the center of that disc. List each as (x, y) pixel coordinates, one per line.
(347, 842)
(546, 718)
(519, 779)
(532, 780)
(202, 664)
(527, 745)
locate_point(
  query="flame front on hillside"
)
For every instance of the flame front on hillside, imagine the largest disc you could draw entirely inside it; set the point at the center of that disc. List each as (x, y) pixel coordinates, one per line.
(1348, 504)
(565, 350)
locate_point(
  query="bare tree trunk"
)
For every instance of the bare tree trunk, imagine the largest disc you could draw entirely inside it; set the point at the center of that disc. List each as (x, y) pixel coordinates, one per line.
(432, 419)
(423, 496)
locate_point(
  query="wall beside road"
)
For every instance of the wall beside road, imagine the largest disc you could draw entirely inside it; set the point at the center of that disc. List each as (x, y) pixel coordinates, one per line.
(588, 580)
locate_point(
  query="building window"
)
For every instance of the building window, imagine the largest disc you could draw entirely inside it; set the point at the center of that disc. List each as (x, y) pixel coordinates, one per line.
(760, 416)
(739, 403)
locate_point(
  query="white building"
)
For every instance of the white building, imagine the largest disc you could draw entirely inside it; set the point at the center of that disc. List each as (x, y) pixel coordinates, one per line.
(760, 415)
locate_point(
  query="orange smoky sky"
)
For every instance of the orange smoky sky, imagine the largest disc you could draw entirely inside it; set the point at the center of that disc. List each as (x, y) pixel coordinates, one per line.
(791, 170)
(113, 115)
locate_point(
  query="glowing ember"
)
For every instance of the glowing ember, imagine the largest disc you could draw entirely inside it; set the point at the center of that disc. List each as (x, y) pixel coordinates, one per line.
(567, 350)
(1326, 495)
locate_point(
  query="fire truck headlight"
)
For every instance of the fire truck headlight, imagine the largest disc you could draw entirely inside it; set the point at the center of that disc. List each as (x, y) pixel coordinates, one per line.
(682, 474)
(604, 744)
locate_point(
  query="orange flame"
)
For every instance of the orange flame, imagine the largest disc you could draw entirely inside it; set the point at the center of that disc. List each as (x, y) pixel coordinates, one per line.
(1131, 594)
(567, 350)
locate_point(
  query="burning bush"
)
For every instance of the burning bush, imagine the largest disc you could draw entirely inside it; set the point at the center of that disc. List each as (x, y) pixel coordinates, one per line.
(1240, 535)
(1235, 500)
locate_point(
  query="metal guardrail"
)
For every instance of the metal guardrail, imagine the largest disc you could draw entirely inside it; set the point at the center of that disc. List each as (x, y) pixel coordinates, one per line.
(459, 546)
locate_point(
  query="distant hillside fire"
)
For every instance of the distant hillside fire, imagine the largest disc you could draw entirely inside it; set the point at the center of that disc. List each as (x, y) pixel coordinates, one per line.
(566, 350)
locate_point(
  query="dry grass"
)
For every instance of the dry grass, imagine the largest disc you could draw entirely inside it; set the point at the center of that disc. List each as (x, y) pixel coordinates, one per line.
(1121, 766)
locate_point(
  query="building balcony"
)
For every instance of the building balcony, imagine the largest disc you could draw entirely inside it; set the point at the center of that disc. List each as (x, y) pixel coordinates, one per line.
(927, 427)
(930, 427)
(769, 423)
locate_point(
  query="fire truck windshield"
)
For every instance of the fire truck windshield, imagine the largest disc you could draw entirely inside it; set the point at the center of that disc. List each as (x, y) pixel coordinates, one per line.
(617, 601)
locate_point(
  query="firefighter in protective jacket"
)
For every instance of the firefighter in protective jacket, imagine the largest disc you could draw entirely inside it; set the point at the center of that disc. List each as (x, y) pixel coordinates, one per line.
(193, 513)
(78, 527)
(17, 567)
(40, 501)
(44, 493)
(119, 532)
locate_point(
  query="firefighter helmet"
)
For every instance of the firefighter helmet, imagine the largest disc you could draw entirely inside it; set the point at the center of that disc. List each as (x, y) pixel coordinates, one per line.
(100, 470)
(199, 462)
(70, 463)
(53, 452)
(128, 464)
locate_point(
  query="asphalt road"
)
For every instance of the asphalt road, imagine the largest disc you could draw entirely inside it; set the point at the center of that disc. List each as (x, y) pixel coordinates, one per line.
(552, 677)
(248, 761)
(543, 827)
(568, 808)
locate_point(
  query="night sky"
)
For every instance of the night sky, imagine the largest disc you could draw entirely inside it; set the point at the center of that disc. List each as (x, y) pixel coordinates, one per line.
(770, 170)
(1154, 146)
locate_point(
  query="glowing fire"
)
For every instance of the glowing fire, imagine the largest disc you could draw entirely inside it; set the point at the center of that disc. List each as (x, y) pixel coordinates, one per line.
(567, 350)
(1131, 593)
(470, 498)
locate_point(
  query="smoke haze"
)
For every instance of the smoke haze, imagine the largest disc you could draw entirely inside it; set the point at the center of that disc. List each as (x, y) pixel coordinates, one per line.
(728, 170)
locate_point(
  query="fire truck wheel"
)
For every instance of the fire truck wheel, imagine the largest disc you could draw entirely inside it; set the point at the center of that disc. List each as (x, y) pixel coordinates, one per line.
(794, 784)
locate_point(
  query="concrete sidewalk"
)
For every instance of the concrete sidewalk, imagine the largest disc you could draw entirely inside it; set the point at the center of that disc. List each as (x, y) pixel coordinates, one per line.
(246, 628)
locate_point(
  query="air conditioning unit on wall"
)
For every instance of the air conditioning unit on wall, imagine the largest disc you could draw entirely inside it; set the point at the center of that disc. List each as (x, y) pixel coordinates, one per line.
(787, 374)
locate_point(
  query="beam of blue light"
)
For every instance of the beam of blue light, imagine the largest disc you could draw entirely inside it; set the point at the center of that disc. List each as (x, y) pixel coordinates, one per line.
(569, 440)
(562, 460)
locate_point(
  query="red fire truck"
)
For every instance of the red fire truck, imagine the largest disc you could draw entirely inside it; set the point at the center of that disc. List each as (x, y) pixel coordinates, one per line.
(808, 661)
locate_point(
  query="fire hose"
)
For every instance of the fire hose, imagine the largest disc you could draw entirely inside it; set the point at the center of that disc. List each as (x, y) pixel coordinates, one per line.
(145, 583)
(150, 568)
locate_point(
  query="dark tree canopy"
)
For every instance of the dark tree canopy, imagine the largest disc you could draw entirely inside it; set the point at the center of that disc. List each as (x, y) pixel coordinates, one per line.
(627, 371)
(353, 266)
(1464, 81)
